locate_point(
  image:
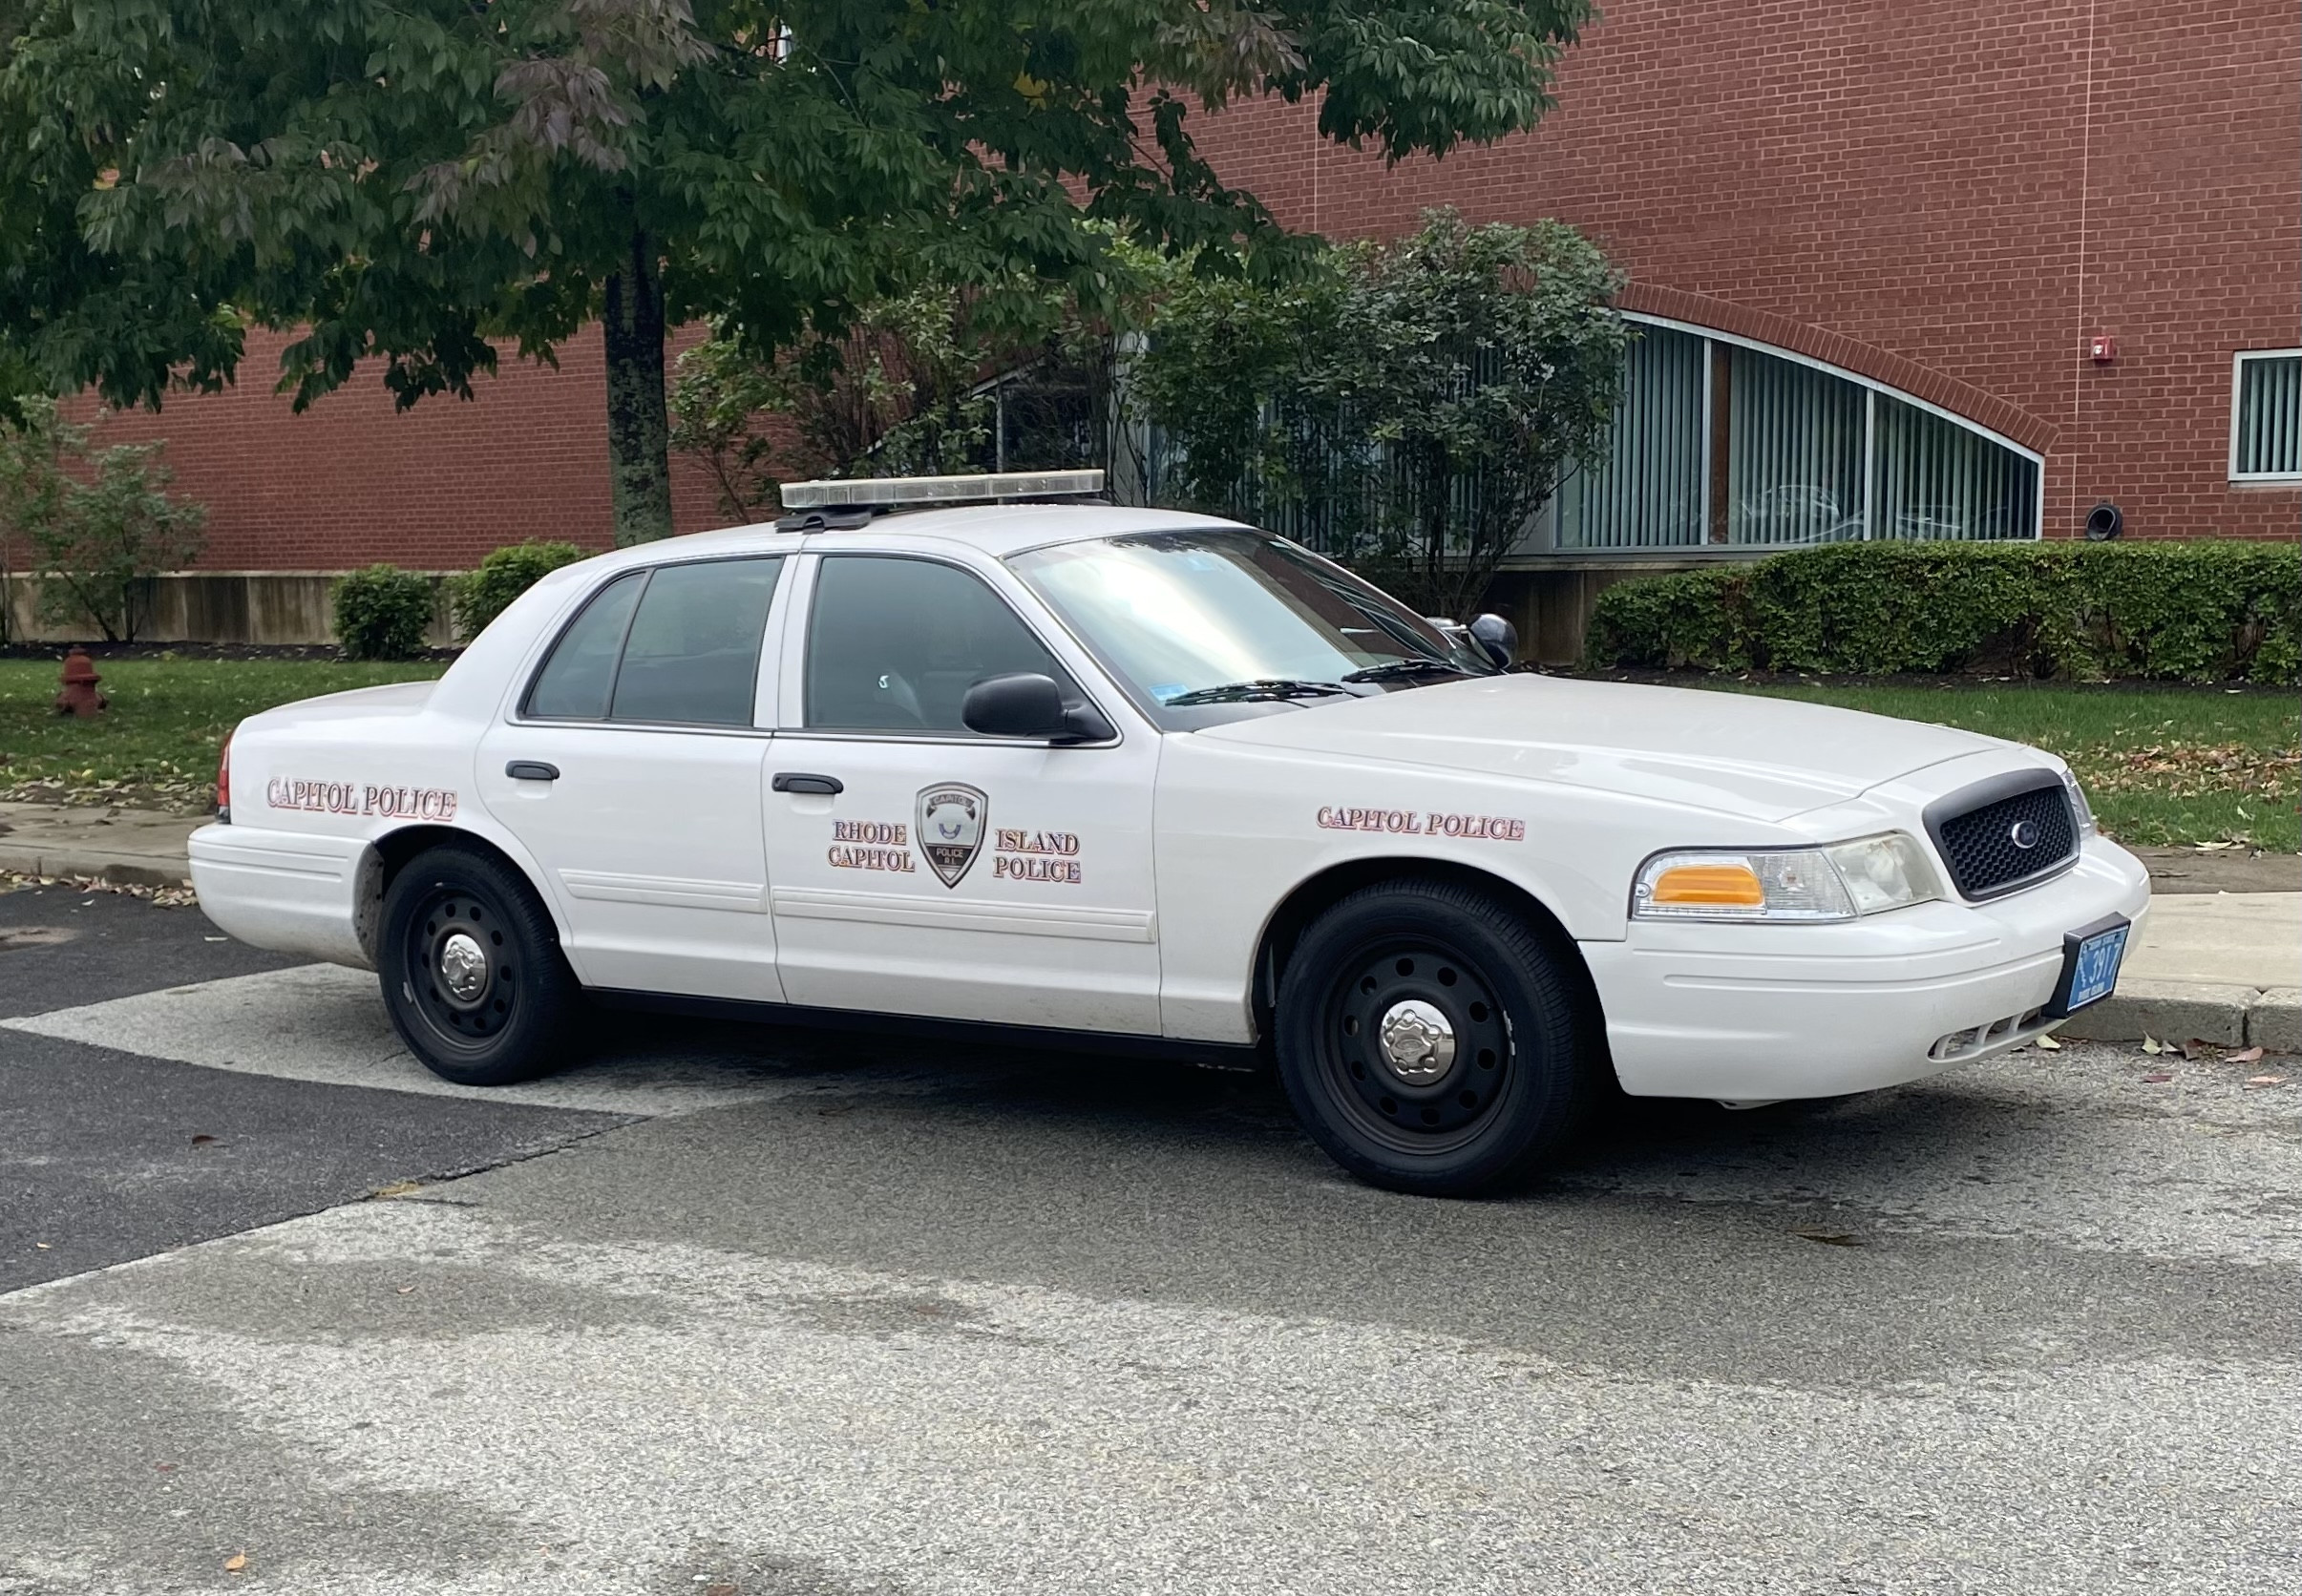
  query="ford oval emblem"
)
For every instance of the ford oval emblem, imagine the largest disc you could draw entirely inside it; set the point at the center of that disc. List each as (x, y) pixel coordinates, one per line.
(2023, 834)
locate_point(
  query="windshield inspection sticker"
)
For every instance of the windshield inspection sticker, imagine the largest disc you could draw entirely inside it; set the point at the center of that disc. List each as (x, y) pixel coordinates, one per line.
(1424, 823)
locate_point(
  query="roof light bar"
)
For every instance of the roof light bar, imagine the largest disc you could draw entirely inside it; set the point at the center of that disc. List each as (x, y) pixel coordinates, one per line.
(974, 488)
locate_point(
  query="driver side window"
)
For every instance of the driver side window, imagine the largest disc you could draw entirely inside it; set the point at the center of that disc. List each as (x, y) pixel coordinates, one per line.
(894, 644)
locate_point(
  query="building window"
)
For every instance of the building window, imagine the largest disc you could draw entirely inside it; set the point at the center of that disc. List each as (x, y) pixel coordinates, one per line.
(1723, 442)
(2266, 416)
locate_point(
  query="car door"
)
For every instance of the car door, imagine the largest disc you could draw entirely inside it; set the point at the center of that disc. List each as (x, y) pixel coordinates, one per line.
(917, 868)
(630, 767)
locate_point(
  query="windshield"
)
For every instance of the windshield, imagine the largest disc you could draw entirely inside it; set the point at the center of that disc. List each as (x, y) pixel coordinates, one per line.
(1190, 618)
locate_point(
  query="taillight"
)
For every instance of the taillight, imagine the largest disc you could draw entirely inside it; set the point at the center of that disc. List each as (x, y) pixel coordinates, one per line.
(223, 782)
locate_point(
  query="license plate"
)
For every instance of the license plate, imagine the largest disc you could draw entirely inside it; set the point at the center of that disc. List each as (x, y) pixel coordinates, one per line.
(2090, 961)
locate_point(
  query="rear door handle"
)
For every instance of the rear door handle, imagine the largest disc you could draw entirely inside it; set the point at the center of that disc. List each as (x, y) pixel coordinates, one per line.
(532, 770)
(801, 781)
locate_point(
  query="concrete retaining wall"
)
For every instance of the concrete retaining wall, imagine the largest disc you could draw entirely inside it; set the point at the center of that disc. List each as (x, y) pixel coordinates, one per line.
(225, 607)
(1550, 603)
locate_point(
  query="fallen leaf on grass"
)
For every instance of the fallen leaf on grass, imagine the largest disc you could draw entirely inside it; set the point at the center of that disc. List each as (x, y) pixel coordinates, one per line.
(236, 1564)
(2156, 1078)
(1827, 1237)
(2265, 1079)
(2244, 1056)
(2049, 1044)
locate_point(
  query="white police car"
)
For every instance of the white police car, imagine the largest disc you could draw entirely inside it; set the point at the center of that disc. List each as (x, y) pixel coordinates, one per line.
(1145, 780)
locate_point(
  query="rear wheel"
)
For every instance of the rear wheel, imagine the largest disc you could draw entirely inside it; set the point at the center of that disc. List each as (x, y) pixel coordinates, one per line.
(1428, 1041)
(471, 971)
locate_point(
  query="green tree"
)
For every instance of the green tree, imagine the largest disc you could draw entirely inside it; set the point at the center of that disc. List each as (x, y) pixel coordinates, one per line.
(939, 378)
(416, 181)
(96, 524)
(1407, 408)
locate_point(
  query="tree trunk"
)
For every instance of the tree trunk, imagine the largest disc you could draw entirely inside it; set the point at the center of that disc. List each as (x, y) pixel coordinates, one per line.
(639, 456)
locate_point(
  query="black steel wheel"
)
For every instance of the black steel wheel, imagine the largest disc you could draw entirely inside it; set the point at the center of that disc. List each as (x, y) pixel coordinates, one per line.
(472, 971)
(1429, 1041)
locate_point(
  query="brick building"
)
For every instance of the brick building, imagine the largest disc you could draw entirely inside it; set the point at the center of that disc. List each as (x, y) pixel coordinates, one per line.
(1874, 245)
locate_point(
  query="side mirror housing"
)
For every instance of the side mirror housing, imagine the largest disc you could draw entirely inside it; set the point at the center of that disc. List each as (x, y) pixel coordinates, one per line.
(1497, 639)
(1024, 704)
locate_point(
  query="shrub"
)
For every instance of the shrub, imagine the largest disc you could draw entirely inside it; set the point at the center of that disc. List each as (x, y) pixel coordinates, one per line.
(480, 596)
(2203, 610)
(381, 613)
(98, 523)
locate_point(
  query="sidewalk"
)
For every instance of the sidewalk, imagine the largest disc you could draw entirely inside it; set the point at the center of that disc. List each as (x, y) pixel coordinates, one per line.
(2220, 959)
(140, 847)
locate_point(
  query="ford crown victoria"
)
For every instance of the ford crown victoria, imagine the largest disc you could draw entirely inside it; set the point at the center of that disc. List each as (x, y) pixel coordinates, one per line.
(1144, 781)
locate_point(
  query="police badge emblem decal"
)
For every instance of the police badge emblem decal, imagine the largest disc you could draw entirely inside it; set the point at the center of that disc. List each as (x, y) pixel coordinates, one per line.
(951, 828)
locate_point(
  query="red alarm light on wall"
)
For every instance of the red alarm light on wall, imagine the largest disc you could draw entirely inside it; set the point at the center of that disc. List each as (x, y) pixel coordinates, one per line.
(2102, 348)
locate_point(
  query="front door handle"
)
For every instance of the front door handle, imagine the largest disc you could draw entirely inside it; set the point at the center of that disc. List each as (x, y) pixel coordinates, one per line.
(801, 781)
(532, 770)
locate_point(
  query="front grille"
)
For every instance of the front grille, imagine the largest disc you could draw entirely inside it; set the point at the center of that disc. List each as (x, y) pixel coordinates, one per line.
(1978, 829)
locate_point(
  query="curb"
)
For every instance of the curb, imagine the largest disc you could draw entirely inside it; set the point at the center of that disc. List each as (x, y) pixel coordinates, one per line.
(125, 869)
(2225, 1015)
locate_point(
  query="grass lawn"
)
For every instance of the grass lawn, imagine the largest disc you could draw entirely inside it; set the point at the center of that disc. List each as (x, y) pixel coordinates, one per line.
(156, 747)
(2162, 765)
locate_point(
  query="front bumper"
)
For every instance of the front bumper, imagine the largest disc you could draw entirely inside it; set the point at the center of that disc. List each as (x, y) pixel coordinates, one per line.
(291, 892)
(1755, 1012)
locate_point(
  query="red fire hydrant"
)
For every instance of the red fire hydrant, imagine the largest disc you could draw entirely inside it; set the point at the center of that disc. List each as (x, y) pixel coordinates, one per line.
(80, 696)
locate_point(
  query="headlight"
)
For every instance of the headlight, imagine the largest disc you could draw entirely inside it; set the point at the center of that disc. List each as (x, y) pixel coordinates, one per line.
(2078, 803)
(1835, 883)
(1885, 872)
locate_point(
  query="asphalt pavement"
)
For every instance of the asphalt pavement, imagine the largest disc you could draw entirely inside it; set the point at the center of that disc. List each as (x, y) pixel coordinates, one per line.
(770, 1314)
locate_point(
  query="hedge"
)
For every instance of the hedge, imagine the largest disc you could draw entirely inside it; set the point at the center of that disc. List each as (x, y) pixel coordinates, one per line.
(2204, 611)
(381, 613)
(478, 597)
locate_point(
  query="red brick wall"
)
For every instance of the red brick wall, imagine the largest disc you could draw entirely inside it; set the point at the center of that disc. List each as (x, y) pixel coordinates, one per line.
(352, 481)
(1958, 193)
(1941, 182)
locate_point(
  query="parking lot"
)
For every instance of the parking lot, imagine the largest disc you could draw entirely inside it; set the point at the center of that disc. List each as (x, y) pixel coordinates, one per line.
(752, 1311)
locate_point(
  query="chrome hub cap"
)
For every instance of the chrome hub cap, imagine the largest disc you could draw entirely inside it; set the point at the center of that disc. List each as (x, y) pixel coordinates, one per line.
(1417, 1041)
(463, 968)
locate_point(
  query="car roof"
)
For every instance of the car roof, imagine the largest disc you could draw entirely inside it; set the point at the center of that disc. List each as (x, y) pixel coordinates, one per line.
(997, 529)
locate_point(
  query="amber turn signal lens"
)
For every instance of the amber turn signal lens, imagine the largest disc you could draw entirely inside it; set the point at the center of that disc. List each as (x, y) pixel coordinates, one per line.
(1727, 885)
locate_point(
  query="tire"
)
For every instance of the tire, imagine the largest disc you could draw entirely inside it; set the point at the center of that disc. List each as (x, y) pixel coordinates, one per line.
(502, 1009)
(1488, 1077)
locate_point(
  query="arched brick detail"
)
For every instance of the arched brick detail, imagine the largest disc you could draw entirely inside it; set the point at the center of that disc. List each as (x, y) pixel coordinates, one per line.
(1848, 354)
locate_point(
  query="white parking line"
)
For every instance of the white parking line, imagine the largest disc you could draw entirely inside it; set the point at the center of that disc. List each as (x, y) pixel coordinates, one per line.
(322, 1023)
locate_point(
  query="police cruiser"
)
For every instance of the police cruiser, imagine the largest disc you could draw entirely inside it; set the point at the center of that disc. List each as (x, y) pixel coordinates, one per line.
(981, 753)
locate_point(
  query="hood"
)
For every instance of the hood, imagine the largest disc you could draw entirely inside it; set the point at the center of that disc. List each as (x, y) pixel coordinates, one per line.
(1765, 757)
(394, 697)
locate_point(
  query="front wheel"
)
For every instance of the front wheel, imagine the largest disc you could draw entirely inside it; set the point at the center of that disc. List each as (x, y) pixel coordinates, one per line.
(472, 971)
(1429, 1041)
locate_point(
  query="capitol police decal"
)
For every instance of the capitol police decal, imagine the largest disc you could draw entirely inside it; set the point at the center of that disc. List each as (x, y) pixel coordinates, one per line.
(951, 828)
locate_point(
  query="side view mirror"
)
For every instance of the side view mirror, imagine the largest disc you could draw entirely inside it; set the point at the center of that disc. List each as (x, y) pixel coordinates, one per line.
(1497, 639)
(1024, 704)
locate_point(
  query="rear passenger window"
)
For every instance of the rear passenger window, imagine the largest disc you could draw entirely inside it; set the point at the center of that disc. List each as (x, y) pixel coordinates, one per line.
(575, 681)
(678, 644)
(693, 654)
